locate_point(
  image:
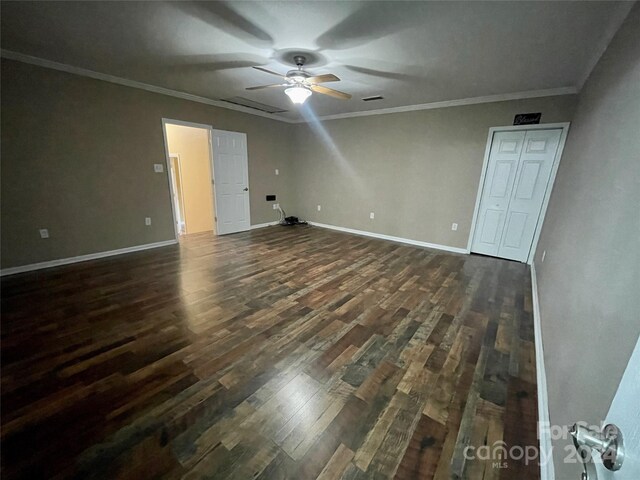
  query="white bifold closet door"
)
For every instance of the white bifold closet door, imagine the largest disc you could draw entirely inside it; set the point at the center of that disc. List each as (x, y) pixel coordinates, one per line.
(517, 178)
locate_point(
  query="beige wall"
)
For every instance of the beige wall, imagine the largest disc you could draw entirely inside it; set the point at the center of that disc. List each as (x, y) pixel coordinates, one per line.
(85, 169)
(589, 283)
(417, 171)
(88, 175)
(192, 145)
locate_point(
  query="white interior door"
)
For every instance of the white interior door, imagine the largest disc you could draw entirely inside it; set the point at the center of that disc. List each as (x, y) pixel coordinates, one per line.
(518, 175)
(231, 186)
(625, 414)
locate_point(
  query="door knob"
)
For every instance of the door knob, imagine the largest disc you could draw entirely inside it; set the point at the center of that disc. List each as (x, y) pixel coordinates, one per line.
(608, 443)
(246, 189)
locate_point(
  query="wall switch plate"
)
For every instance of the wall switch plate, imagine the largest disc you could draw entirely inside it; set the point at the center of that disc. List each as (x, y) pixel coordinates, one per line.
(277, 172)
(544, 254)
(319, 207)
(44, 233)
(147, 221)
(454, 226)
(372, 215)
(158, 168)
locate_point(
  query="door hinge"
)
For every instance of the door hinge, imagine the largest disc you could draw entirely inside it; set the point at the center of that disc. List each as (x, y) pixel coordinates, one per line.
(215, 219)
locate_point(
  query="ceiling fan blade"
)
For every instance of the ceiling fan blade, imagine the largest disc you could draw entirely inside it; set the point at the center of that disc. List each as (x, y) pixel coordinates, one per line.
(269, 71)
(331, 92)
(329, 77)
(267, 86)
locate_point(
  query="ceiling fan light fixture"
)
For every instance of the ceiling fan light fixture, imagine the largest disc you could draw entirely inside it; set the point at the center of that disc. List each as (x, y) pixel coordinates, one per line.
(298, 94)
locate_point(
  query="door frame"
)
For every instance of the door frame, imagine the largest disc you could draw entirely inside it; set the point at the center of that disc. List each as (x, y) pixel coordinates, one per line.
(179, 163)
(167, 154)
(547, 194)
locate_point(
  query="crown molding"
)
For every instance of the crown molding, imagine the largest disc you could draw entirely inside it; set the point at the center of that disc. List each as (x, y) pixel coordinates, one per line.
(41, 62)
(63, 67)
(455, 103)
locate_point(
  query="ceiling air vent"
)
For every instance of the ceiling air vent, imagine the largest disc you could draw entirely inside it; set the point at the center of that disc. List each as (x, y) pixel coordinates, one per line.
(245, 102)
(371, 99)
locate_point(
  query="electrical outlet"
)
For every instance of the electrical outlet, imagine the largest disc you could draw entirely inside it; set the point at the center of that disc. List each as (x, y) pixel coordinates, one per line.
(319, 207)
(544, 254)
(276, 206)
(44, 233)
(158, 168)
(147, 221)
(277, 172)
(454, 226)
(372, 215)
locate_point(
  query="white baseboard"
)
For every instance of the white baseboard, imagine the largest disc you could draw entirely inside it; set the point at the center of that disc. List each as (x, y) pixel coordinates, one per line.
(544, 435)
(392, 238)
(83, 258)
(262, 225)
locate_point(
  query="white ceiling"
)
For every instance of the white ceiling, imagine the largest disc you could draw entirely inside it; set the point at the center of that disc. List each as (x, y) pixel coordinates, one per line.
(409, 52)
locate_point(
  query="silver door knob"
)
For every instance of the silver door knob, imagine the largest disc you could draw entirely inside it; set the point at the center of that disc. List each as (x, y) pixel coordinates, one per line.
(608, 443)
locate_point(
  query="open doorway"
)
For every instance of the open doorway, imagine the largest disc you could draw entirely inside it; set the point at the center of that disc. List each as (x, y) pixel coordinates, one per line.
(190, 176)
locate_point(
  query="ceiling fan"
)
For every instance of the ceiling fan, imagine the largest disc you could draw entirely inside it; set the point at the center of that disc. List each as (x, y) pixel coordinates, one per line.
(301, 83)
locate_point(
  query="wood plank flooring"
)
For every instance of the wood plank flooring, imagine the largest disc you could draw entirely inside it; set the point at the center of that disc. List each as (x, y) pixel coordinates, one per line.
(278, 353)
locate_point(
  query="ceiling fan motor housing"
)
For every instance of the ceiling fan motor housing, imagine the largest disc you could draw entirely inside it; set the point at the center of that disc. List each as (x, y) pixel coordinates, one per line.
(298, 75)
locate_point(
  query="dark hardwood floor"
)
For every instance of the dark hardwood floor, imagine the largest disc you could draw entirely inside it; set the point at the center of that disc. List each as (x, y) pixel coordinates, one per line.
(295, 353)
